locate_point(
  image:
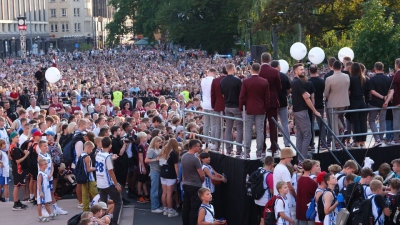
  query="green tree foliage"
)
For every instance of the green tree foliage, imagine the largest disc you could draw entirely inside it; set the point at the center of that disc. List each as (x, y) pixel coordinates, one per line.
(146, 14)
(124, 10)
(376, 37)
(211, 24)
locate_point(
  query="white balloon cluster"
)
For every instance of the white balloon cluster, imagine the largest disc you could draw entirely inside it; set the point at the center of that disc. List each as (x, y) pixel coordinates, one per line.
(52, 75)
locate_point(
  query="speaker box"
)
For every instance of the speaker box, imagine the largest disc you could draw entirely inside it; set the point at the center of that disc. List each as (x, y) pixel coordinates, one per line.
(257, 51)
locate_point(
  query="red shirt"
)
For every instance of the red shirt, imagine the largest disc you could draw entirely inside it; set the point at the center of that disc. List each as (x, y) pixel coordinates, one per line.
(304, 195)
(396, 87)
(75, 108)
(156, 93)
(57, 107)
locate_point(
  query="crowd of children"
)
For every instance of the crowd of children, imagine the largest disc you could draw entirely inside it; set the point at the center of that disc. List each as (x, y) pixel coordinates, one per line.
(309, 196)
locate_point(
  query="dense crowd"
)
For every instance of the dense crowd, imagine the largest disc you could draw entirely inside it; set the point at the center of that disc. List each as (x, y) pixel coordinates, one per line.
(126, 121)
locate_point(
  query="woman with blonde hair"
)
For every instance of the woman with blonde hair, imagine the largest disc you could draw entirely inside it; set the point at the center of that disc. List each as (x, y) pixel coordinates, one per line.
(152, 159)
(169, 160)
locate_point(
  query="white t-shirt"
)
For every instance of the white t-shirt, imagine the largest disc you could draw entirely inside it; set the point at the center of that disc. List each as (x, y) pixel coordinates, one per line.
(282, 206)
(206, 90)
(281, 173)
(22, 139)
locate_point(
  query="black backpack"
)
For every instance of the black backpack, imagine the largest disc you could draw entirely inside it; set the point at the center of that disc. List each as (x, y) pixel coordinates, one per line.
(320, 205)
(82, 177)
(75, 219)
(69, 149)
(362, 212)
(395, 210)
(255, 184)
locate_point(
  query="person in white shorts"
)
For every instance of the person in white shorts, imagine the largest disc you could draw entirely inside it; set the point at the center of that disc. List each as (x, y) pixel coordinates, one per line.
(43, 192)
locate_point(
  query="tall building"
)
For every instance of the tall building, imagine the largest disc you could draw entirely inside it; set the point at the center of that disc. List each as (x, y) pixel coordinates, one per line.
(102, 15)
(36, 15)
(70, 23)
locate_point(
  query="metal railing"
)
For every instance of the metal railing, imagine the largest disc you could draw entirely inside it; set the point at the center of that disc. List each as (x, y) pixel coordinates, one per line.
(221, 139)
(288, 138)
(359, 110)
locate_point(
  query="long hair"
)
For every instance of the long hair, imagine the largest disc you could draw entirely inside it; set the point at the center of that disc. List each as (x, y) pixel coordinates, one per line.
(172, 145)
(153, 143)
(356, 70)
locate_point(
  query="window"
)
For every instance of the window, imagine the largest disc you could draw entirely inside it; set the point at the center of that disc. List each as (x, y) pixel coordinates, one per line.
(52, 0)
(77, 27)
(64, 12)
(53, 13)
(64, 27)
(76, 12)
(53, 27)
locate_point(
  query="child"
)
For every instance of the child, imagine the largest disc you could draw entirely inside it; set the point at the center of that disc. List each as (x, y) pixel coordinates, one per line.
(396, 168)
(334, 169)
(268, 183)
(350, 166)
(315, 170)
(86, 221)
(328, 198)
(67, 173)
(90, 188)
(379, 206)
(18, 157)
(4, 170)
(210, 173)
(98, 215)
(281, 208)
(206, 211)
(43, 191)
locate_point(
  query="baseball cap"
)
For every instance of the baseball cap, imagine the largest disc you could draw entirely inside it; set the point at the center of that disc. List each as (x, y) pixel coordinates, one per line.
(179, 129)
(320, 177)
(38, 133)
(33, 130)
(103, 205)
(49, 132)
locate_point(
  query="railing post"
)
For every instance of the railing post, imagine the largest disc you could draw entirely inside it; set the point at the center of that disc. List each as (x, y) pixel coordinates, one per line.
(222, 144)
(333, 147)
(244, 133)
(184, 126)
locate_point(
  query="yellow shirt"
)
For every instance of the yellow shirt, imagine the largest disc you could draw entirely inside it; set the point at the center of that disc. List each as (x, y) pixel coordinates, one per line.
(185, 95)
(117, 95)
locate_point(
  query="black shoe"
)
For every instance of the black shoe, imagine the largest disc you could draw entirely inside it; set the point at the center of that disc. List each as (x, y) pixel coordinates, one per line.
(34, 202)
(17, 207)
(31, 200)
(125, 202)
(22, 205)
(2, 200)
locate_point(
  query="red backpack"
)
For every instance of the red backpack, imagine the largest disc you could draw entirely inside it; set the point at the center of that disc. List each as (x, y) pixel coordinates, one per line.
(269, 211)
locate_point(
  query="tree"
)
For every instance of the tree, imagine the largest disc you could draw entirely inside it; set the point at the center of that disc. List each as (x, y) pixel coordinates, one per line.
(124, 10)
(376, 36)
(209, 24)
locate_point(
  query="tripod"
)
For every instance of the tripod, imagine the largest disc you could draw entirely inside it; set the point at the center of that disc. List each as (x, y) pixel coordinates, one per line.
(42, 96)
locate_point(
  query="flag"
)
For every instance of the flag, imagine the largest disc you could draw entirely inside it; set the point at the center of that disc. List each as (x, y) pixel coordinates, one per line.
(54, 60)
(9, 62)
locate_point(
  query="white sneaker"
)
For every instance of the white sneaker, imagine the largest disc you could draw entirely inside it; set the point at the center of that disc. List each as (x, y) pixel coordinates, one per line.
(172, 213)
(80, 206)
(59, 211)
(44, 212)
(165, 212)
(157, 211)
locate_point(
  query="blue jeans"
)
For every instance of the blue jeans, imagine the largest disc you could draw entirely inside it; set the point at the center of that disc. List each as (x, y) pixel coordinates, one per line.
(155, 190)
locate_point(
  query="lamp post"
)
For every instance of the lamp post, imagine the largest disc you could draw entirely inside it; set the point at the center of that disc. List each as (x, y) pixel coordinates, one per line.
(13, 45)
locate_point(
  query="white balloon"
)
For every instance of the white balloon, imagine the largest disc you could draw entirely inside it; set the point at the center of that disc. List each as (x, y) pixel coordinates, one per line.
(346, 51)
(298, 51)
(316, 55)
(52, 75)
(284, 65)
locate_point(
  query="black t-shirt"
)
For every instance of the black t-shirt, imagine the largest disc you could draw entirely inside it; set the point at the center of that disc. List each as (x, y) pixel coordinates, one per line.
(381, 84)
(380, 202)
(16, 153)
(319, 86)
(282, 95)
(357, 90)
(298, 89)
(168, 171)
(116, 145)
(39, 76)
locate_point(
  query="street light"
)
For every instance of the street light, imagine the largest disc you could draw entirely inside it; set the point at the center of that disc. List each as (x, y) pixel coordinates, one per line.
(13, 44)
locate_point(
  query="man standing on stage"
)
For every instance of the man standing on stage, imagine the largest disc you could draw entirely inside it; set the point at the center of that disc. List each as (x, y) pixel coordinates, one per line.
(275, 86)
(39, 75)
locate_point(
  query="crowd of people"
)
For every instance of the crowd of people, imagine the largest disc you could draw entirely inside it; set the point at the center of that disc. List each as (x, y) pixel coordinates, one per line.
(126, 121)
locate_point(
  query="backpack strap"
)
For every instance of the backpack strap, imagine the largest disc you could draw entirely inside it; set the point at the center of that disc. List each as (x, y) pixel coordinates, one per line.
(379, 214)
(277, 198)
(207, 209)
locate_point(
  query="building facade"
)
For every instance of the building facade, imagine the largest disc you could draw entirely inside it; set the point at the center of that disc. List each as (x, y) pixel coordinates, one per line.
(37, 24)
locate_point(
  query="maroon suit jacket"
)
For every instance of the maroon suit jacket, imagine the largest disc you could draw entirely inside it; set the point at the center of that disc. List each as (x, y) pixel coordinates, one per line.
(217, 100)
(275, 85)
(255, 95)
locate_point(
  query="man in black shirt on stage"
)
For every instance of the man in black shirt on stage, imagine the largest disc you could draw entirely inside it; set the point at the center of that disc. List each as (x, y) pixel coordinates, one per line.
(39, 75)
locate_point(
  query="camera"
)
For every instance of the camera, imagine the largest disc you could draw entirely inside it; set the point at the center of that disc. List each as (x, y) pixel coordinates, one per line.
(128, 139)
(44, 68)
(26, 90)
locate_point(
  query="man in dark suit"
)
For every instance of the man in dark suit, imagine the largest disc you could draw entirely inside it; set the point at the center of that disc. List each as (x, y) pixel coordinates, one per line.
(218, 105)
(255, 96)
(275, 86)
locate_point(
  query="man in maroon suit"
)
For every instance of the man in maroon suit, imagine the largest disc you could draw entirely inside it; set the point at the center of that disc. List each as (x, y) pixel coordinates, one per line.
(218, 105)
(275, 86)
(255, 96)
